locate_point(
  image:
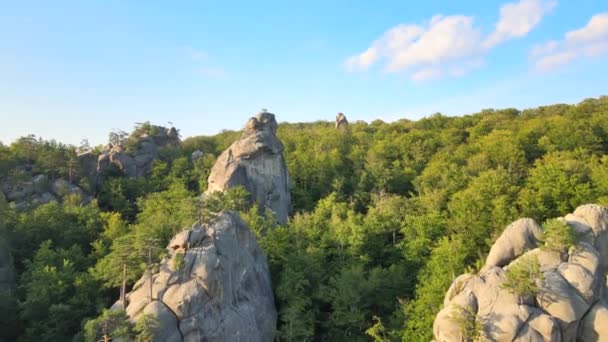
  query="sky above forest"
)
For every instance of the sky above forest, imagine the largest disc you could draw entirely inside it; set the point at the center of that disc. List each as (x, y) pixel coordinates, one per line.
(71, 70)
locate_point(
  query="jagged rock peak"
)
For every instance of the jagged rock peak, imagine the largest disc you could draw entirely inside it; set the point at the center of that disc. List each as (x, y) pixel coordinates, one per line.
(341, 121)
(263, 121)
(571, 299)
(215, 285)
(255, 161)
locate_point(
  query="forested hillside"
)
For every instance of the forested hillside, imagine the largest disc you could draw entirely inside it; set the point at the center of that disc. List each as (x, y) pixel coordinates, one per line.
(386, 215)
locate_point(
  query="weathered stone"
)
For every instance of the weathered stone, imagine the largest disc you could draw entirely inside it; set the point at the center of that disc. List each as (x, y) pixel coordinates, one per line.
(446, 327)
(517, 238)
(61, 187)
(569, 304)
(196, 155)
(124, 162)
(256, 162)
(558, 299)
(597, 218)
(341, 122)
(586, 283)
(46, 197)
(41, 183)
(216, 284)
(595, 324)
(167, 326)
(457, 286)
(138, 162)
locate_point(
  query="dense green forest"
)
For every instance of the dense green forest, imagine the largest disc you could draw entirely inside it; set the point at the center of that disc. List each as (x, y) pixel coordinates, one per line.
(386, 214)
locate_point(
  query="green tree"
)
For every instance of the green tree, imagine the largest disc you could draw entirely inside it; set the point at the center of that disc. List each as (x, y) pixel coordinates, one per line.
(523, 276)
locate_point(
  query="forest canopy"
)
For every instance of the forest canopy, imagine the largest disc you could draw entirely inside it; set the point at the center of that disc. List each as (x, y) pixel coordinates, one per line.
(386, 215)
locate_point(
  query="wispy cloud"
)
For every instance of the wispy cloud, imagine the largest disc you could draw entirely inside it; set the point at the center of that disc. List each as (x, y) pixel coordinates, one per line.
(211, 72)
(517, 19)
(590, 40)
(196, 54)
(447, 45)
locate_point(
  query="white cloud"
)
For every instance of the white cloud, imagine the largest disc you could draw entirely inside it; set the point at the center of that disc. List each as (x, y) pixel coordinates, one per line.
(588, 41)
(595, 30)
(426, 74)
(517, 19)
(446, 45)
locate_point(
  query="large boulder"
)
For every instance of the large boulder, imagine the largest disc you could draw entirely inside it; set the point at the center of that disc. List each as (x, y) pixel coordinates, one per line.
(518, 237)
(569, 304)
(62, 187)
(214, 286)
(256, 162)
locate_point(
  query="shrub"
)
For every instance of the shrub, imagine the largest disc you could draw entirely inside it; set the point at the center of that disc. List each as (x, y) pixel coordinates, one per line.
(557, 236)
(523, 276)
(466, 319)
(178, 261)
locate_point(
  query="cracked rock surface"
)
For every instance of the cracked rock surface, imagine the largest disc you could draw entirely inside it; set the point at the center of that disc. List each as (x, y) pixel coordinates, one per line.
(255, 161)
(572, 301)
(214, 286)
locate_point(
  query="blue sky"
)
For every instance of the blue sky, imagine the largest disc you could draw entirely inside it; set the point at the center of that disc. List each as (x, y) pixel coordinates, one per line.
(71, 70)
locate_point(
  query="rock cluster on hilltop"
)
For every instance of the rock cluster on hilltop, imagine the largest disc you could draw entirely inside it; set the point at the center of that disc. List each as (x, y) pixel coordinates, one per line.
(38, 189)
(137, 163)
(572, 299)
(214, 286)
(341, 122)
(256, 162)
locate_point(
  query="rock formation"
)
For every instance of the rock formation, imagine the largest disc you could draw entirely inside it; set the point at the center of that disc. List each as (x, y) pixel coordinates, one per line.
(341, 122)
(214, 286)
(137, 163)
(572, 299)
(38, 190)
(256, 162)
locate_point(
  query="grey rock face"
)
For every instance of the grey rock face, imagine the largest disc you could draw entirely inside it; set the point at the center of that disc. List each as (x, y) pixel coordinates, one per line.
(214, 286)
(341, 122)
(256, 162)
(62, 187)
(196, 155)
(572, 295)
(518, 237)
(137, 163)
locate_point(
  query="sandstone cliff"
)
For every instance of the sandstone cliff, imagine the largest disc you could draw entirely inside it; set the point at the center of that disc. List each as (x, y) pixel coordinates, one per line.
(256, 162)
(571, 303)
(214, 286)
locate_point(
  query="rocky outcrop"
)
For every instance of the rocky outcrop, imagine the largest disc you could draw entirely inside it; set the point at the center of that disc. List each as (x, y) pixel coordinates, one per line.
(39, 190)
(138, 162)
(196, 155)
(571, 303)
(341, 122)
(256, 162)
(214, 286)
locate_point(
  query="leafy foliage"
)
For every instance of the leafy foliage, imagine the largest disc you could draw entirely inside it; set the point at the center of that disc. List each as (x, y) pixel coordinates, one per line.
(523, 276)
(386, 215)
(558, 236)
